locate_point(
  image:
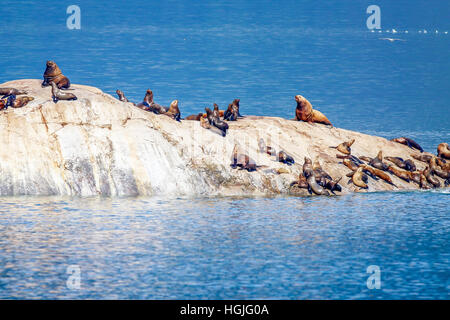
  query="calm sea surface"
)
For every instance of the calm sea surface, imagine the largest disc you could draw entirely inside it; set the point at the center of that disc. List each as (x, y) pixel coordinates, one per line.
(264, 53)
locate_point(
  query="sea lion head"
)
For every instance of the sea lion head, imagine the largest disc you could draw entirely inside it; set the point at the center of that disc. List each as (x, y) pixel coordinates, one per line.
(148, 96)
(303, 105)
(236, 102)
(380, 155)
(52, 69)
(307, 160)
(208, 111)
(216, 107)
(174, 104)
(349, 144)
(119, 92)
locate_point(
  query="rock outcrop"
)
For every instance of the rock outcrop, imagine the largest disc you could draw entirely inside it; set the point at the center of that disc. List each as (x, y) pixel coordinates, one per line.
(99, 145)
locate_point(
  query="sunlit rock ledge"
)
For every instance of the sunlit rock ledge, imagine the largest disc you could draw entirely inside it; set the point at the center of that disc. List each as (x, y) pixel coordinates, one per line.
(99, 145)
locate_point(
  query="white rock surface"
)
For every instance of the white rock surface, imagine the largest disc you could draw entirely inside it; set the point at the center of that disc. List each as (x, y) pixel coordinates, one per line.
(99, 145)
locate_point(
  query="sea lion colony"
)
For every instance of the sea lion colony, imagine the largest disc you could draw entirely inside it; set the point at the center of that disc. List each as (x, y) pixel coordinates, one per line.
(312, 177)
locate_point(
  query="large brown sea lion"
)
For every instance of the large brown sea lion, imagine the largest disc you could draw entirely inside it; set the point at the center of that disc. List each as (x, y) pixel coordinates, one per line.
(379, 173)
(359, 179)
(57, 94)
(402, 174)
(53, 74)
(174, 111)
(443, 151)
(408, 142)
(232, 112)
(305, 112)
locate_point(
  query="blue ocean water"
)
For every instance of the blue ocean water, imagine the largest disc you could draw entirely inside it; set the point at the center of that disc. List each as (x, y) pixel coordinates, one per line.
(264, 53)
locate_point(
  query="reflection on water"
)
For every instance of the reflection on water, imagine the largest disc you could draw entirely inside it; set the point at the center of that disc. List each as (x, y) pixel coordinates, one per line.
(247, 248)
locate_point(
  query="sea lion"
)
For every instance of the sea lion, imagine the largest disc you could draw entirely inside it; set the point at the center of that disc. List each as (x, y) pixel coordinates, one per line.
(443, 151)
(422, 157)
(305, 112)
(415, 176)
(302, 182)
(402, 174)
(333, 185)
(344, 147)
(377, 162)
(122, 96)
(57, 94)
(408, 142)
(397, 161)
(360, 179)
(217, 112)
(424, 184)
(379, 173)
(410, 165)
(307, 168)
(6, 92)
(216, 122)
(350, 164)
(315, 187)
(174, 111)
(195, 117)
(52, 73)
(319, 172)
(428, 174)
(436, 169)
(232, 112)
(204, 123)
(20, 101)
(147, 101)
(285, 158)
(443, 164)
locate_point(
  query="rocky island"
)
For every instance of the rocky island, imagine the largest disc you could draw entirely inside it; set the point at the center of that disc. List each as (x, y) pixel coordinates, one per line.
(99, 145)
